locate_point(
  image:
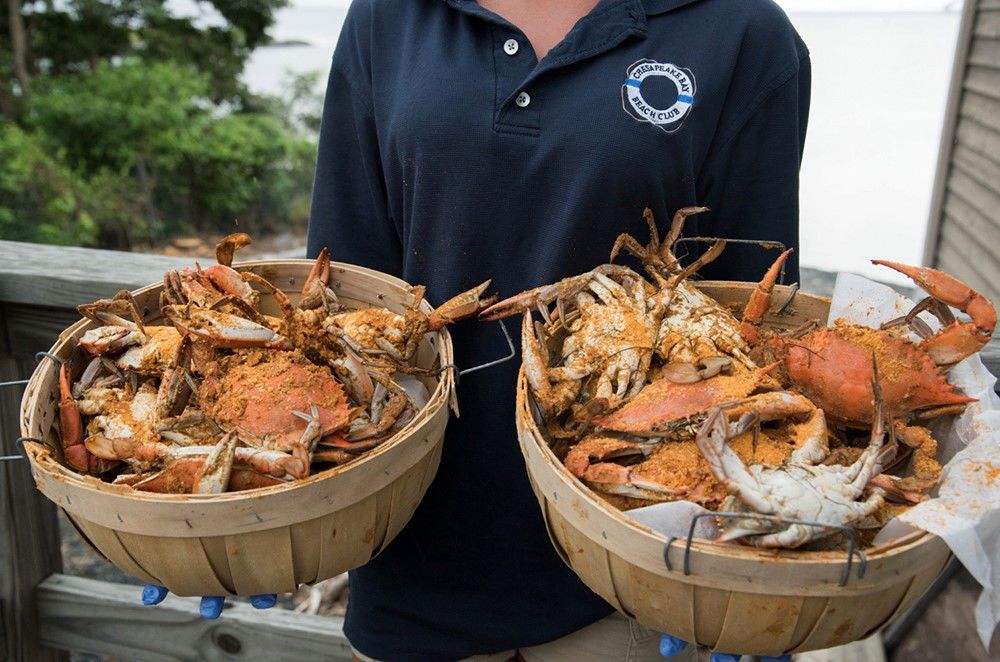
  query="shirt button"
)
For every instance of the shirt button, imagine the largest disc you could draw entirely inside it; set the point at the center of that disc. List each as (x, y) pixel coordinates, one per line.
(523, 99)
(510, 46)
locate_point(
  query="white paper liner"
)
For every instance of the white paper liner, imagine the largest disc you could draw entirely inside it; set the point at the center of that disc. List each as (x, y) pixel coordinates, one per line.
(965, 512)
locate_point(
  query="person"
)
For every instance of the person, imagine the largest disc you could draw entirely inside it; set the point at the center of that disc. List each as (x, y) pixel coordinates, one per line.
(514, 140)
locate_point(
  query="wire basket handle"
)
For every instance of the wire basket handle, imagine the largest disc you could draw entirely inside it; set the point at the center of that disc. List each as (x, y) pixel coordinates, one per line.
(852, 545)
(488, 364)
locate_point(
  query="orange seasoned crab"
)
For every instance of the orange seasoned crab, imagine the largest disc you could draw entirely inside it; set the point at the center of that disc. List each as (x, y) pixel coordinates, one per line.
(664, 408)
(258, 392)
(210, 285)
(610, 323)
(833, 366)
(665, 469)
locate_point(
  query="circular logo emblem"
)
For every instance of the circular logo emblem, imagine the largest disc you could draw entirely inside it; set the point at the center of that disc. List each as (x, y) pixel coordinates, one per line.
(668, 119)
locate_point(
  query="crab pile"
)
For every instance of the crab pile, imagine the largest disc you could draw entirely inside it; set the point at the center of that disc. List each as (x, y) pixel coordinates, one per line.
(649, 390)
(222, 397)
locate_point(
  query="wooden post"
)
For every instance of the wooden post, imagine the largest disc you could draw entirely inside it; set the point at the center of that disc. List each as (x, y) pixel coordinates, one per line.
(40, 287)
(29, 544)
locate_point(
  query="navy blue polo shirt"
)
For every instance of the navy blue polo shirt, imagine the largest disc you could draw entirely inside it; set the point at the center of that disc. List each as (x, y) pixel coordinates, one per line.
(448, 155)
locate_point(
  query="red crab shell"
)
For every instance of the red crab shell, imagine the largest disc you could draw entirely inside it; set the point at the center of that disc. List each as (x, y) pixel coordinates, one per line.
(255, 392)
(662, 402)
(833, 368)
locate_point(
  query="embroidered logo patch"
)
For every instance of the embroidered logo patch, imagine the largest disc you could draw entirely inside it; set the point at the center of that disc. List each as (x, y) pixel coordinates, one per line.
(671, 118)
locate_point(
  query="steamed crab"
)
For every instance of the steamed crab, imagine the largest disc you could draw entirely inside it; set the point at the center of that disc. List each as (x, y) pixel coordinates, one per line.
(136, 347)
(834, 366)
(259, 393)
(613, 323)
(203, 469)
(668, 468)
(211, 285)
(799, 489)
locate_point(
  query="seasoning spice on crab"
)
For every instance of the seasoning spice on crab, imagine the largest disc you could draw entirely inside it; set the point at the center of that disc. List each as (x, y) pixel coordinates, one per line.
(226, 397)
(258, 392)
(799, 489)
(610, 325)
(211, 285)
(834, 366)
(669, 465)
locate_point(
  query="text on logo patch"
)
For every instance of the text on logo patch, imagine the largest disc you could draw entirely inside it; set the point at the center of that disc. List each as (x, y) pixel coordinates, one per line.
(668, 119)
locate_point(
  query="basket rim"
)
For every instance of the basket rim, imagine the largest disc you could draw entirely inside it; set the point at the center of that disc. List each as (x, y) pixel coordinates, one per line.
(700, 545)
(42, 460)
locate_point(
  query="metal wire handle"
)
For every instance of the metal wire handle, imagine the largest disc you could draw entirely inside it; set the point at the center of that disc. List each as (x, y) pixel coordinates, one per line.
(481, 366)
(21, 382)
(852, 547)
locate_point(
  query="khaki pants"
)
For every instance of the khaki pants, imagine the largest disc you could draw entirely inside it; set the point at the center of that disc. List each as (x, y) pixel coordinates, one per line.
(613, 638)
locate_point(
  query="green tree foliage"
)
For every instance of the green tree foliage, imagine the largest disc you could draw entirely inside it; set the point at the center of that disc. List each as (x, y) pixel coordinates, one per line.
(36, 186)
(134, 126)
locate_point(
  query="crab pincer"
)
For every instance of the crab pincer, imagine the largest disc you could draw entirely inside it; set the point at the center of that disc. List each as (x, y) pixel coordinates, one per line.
(956, 340)
(459, 307)
(222, 329)
(71, 425)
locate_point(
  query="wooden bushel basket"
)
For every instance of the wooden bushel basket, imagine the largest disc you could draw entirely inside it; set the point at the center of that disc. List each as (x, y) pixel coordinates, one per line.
(266, 540)
(736, 598)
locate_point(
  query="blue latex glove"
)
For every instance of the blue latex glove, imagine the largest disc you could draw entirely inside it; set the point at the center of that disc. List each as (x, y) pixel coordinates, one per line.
(211, 605)
(671, 646)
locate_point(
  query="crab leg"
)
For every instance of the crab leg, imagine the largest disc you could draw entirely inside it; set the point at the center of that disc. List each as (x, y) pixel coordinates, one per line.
(214, 476)
(174, 391)
(727, 466)
(459, 307)
(760, 301)
(546, 294)
(956, 340)
(71, 425)
(316, 291)
(554, 398)
(228, 245)
(657, 257)
(223, 329)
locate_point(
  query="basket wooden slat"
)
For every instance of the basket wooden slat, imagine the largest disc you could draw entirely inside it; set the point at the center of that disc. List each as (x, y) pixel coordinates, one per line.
(266, 540)
(760, 602)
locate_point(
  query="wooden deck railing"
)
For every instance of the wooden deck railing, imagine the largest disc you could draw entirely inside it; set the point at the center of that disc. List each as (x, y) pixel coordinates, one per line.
(44, 612)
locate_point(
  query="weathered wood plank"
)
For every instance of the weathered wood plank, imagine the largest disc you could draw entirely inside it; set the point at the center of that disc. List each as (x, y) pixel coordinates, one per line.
(985, 53)
(948, 130)
(986, 231)
(64, 276)
(102, 618)
(31, 329)
(977, 194)
(983, 109)
(863, 650)
(986, 170)
(978, 138)
(984, 81)
(988, 24)
(29, 542)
